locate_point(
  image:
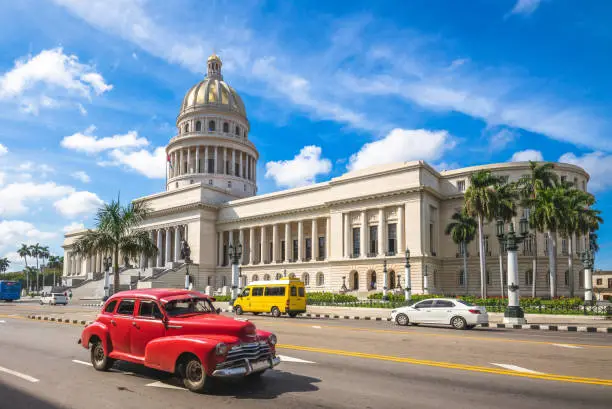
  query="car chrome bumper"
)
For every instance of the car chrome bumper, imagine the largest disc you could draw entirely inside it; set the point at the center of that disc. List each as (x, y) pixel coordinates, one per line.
(247, 369)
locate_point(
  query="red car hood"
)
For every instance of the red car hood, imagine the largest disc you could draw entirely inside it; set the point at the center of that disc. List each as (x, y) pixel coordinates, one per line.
(213, 324)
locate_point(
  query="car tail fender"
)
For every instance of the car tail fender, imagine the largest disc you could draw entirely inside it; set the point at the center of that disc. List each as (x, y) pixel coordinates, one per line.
(99, 330)
(163, 353)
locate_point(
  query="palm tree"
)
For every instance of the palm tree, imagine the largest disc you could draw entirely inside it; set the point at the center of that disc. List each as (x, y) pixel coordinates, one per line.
(30, 271)
(24, 252)
(35, 251)
(56, 264)
(505, 210)
(480, 200)
(540, 177)
(4, 264)
(462, 230)
(116, 232)
(44, 255)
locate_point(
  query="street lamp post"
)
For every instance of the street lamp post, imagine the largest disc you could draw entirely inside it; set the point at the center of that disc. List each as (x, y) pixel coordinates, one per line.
(108, 262)
(514, 313)
(588, 260)
(385, 280)
(408, 289)
(235, 254)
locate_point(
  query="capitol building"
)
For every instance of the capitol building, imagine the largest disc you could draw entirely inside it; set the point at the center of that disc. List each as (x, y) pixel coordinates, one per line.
(336, 235)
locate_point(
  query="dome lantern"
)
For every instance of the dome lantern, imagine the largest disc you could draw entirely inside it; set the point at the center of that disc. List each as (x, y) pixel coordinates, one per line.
(214, 67)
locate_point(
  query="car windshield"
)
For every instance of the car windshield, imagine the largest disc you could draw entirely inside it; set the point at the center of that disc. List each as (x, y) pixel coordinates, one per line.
(189, 306)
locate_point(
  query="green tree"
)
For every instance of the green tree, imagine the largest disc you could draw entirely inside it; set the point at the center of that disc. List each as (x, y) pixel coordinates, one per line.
(36, 251)
(24, 252)
(480, 202)
(505, 210)
(56, 265)
(4, 264)
(116, 231)
(540, 176)
(29, 272)
(462, 230)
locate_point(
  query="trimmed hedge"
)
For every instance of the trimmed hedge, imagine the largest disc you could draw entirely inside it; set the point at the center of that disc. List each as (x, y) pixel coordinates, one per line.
(324, 297)
(222, 298)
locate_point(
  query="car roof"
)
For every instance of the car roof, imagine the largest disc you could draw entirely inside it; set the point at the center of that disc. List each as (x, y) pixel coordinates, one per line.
(158, 294)
(441, 299)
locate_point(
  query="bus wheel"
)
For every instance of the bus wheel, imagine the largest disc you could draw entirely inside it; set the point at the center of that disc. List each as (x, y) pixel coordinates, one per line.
(238, 310)
(275, 312)
(293, 314)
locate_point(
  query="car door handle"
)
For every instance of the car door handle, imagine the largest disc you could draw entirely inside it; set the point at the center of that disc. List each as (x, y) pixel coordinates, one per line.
(113, 322)
(135, 325)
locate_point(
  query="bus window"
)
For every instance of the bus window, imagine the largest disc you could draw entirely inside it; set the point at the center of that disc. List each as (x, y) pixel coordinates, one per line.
(301, 291)
(257, 291)
(275, 291)
(293, 291)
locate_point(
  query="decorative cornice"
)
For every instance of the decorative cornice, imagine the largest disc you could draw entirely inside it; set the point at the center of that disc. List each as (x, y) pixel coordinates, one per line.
(182, 208)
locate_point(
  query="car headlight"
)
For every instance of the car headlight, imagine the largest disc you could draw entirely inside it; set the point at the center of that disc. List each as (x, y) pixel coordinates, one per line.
(272, 339)
(221, 348)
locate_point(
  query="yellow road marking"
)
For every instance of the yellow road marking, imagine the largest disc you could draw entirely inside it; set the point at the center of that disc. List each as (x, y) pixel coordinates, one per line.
(433, 334)
(449, 365)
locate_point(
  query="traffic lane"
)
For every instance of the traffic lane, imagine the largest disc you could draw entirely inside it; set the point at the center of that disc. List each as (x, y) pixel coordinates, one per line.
(536, 355)
(330, 381)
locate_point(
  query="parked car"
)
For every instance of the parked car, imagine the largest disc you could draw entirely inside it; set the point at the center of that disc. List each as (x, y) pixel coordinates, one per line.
(181, 332)
(286, 295)
(54, 298)
(457, 313)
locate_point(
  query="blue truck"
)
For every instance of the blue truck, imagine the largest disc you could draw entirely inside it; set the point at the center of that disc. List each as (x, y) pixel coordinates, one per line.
(10, 290)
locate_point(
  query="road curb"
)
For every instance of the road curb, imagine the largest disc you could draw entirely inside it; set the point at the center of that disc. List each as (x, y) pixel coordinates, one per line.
(59, 320)
(100, 304)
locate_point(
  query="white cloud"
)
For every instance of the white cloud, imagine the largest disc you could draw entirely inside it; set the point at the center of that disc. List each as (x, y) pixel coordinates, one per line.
(3, 150)
(15, 232)
(527, 155)
(2, 177)
(21, 195)
(301, 170)
(82, 109)
(151, 165)
(501, 139)
(402, 145)
(78, 203)
(82, 176)
(73, 227)
(34, 78)
(597, 164)
(29, 166)
(85, 142)
(525, 7)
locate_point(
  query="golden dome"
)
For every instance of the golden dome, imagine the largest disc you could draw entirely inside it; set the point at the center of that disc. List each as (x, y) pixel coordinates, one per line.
(214, 57)
(213, 92)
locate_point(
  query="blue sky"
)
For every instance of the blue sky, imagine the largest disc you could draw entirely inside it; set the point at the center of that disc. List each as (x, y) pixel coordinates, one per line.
(89, 92)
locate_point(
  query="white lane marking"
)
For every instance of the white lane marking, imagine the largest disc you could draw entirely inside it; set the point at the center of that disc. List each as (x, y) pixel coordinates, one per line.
(316, 326)
(160, 384)
(18, 374)
(516, 368)
(284, 358)
(567, 346)
(76, 361)
(2, 322)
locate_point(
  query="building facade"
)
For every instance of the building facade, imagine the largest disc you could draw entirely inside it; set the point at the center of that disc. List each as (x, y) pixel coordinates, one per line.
(333, 235)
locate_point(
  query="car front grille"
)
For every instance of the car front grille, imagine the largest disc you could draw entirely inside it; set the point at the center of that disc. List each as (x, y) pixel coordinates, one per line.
(252, 351)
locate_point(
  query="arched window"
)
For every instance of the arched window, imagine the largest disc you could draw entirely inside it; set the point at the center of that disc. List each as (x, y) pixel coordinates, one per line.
(391, 279)
(567, 278)
(354, 281)
(320, 279)
(254, 278)
(372, 280)
(461, 277)
(186, 128)
(237, 131)
(529, 277)
(211, 126)
(306, 279)
(291, 275)
(225, 127)
(267, 277)
(279, 276)
(198, 126)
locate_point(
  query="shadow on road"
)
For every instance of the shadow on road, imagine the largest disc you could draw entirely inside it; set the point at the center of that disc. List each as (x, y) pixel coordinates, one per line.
(13, 398)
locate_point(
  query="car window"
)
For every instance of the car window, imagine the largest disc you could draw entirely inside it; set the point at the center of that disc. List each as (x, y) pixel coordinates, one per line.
(275, 291)
(246, 292)
(444, 304)
(469, 304)
(293, 291)
(189, 306)
(301, 291)
(126, 307)
(424, 304)
(149, 309)
(111, 306)
(257, 291)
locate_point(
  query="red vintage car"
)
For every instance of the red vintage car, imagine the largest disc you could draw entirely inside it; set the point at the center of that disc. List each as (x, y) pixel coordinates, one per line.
(178, 331)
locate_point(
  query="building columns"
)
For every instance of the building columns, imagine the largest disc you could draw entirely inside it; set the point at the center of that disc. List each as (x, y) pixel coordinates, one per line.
(220, 248)
(327, 238)
(252, 245)
(159, 247)
(168, 246)
(314, 241)
(242, 243)
(381, 229)
(197, 160)
(150, 261)
(225, 163)
(205, 159)
(274, 243)
(363, 249)
(233, 166)
(400, 230)
(262, 245)
(189, 168)
(177, 243)
(300, 255)
(287, 242)
(347, 246)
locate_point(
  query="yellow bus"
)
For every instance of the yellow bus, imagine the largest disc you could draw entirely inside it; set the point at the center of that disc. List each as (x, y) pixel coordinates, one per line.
(284, 296)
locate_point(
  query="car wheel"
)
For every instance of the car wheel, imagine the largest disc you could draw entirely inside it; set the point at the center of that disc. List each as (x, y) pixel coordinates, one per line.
(42, 303)
(402, 319)
(99, 360)
(275, 312)
(194, 376)
(256, 313)
(458, 323)
(238, 310)
(293, 314)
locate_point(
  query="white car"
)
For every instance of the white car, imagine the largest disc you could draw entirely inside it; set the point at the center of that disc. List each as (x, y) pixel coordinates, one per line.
(449, 311)
(54, 299)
